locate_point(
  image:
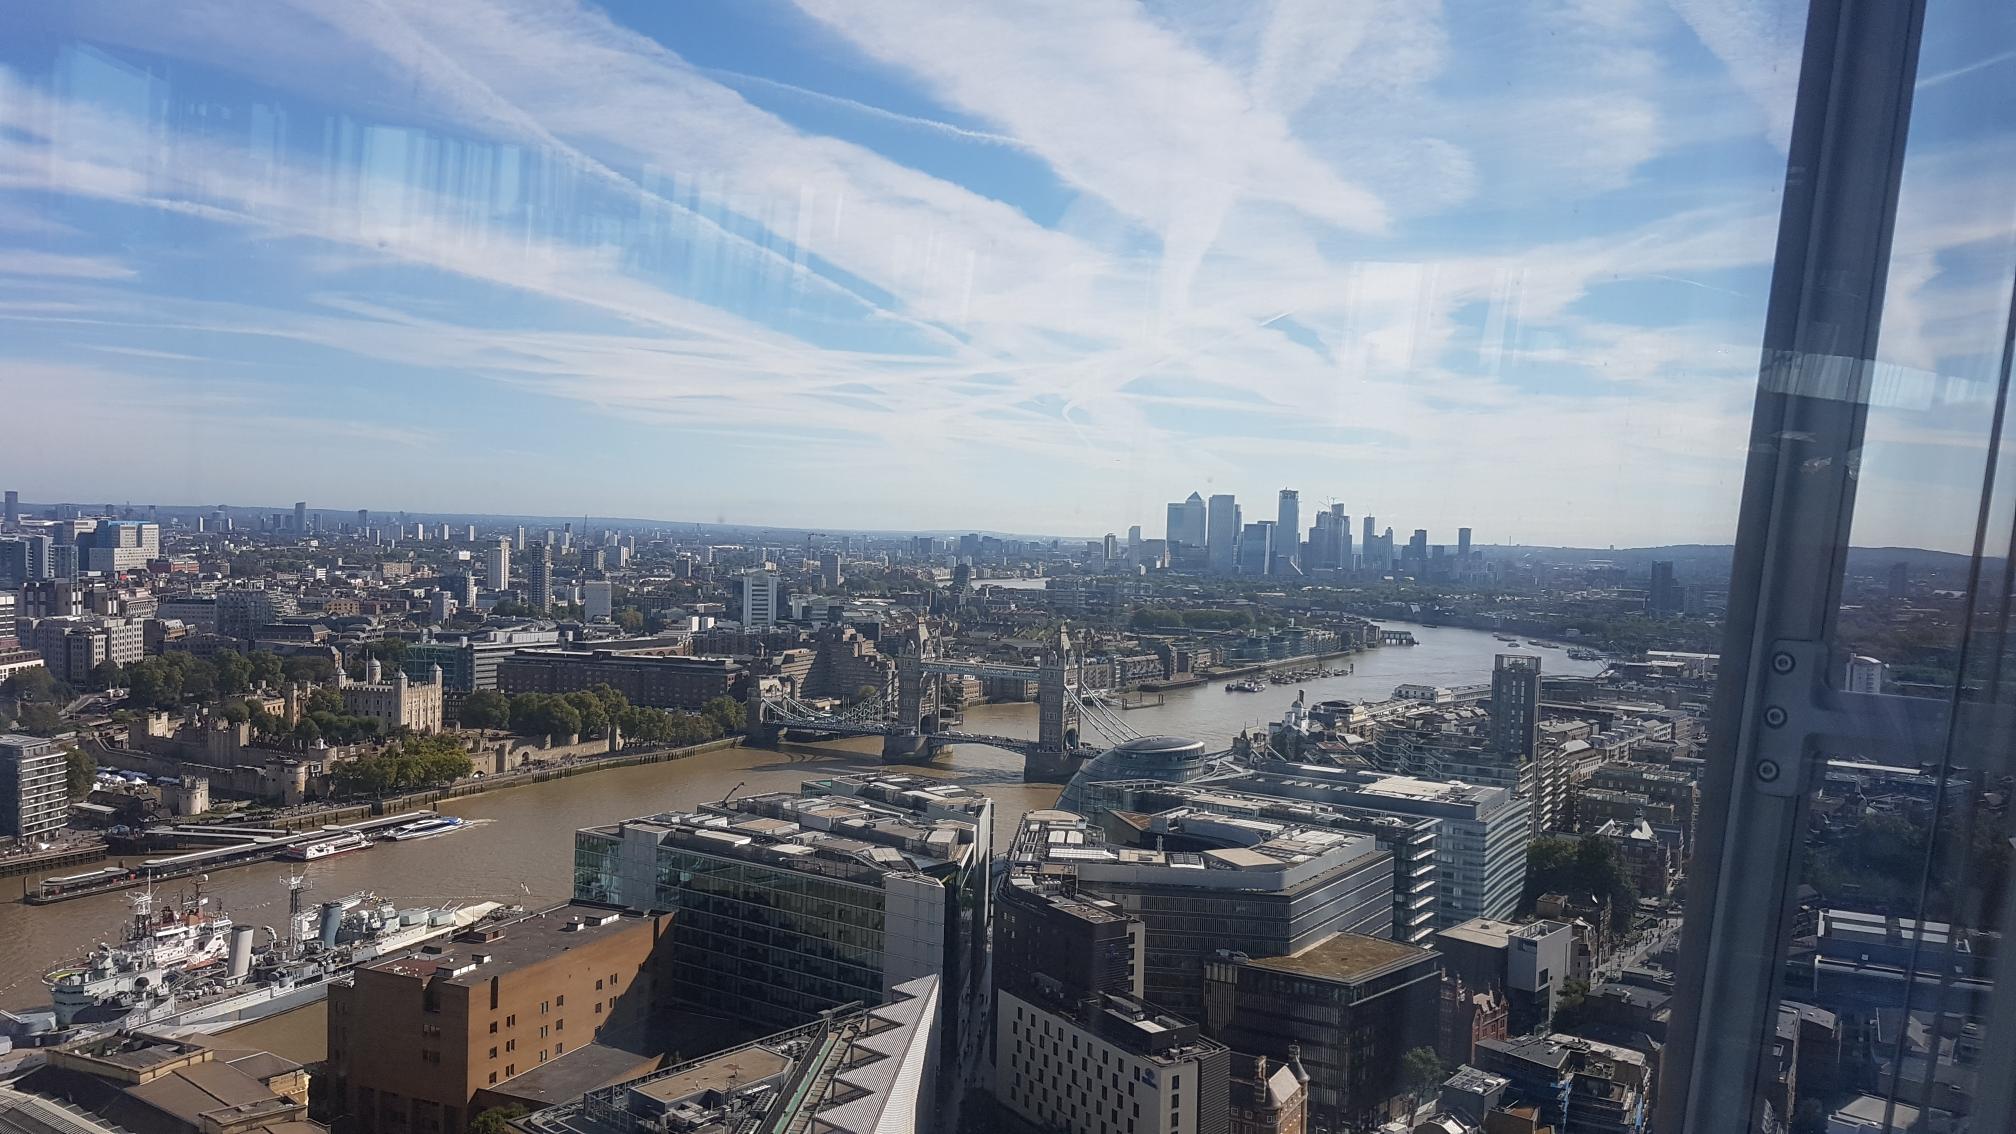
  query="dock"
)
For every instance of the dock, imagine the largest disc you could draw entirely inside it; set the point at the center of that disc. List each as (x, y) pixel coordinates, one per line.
(220, 847)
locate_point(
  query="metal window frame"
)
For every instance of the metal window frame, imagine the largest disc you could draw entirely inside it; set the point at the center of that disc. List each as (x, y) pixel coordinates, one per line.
(1774, 705)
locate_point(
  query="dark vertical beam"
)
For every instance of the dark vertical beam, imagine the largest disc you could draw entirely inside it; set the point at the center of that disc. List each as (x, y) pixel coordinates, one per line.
(1821, 328)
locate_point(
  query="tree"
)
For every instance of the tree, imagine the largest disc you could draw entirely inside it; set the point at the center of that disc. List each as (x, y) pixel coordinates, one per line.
(79, 768)
(234, 672)
(1420, 1072)
(234, 712)
(496, 1120)
(544, 714)
(107, 674)
(486, 708)
(35, 684)
(631, 619)
(266, 668)
(154, 683)
(40, 718)
(307, 732)
(726, 711)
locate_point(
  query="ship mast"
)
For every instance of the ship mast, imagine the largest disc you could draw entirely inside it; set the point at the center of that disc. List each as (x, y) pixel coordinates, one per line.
(296, 884)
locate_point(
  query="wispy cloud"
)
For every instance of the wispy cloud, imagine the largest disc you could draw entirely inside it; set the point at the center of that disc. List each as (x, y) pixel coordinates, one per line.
(1095, 253)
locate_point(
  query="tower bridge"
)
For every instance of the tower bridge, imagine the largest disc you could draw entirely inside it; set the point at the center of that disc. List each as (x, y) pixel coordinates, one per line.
(912, 728)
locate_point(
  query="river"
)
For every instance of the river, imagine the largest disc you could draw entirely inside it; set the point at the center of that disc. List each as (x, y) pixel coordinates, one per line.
(519, 846)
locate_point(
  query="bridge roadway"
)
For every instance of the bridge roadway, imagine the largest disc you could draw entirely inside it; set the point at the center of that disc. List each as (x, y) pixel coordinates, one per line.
(1022, 744)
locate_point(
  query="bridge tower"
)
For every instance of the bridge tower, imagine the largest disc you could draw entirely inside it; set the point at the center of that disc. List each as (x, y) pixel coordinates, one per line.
(1055, 756)
(916, 701)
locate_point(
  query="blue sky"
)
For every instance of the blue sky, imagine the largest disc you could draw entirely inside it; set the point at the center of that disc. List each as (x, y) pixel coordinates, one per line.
(1037, 265)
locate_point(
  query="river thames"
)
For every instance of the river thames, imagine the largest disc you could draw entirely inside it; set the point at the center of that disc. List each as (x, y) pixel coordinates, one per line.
(519, 844)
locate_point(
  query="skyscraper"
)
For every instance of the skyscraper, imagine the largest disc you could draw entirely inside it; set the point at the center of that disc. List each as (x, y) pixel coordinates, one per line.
(1256, 547)
(1663, 596)
(1515, 704)
(1288, 534)
(1462, 547)
(759, 599)
(500, 564)
(12, 516)
(363, 518)
(300, 515)
(1222, 537)
(1900, 579)
(539, 577)
(1188, 525)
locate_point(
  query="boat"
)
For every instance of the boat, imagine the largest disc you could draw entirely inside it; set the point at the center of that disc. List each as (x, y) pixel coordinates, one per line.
(158, 950)
(326, 848)
(1506, 638)
(322, 944)
(424, 829)
(1242, 687)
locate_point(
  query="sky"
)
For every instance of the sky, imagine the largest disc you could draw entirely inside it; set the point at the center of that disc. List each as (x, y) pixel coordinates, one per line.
(1027, 265)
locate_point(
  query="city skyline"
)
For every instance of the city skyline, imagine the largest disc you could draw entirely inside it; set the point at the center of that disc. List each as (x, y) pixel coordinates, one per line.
(416, 251)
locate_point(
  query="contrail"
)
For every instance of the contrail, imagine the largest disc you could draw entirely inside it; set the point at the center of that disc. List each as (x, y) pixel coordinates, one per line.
(931, 124)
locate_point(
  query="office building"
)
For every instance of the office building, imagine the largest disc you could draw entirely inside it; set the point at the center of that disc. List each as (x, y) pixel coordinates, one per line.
(469, 661)
(441, 606)
(829, 570)
(1189, 525)
(1283, 889)
(11, 516)
(1417, 551)
(1164, 812)
(464, 588)
(873, 1064)
(1330, 540)
(1866, 675)
(500, 565)
(1664, 595)
(241, 612)
(660, 681)
(786, 906)
(1256, 548)
(1111, 1064)
(761, 598)
(300, 515)
(34, 792)
(120, 545)
(414, 1039)
(1462, 549)
(26, 559)
(1528, 964)
(539, 577)
(1222, 534)
(1481, 836)
(1287, 549)
(1900, 581)
(72, 646)
(598, 600)
(1349, 1006)
(1578, 1086)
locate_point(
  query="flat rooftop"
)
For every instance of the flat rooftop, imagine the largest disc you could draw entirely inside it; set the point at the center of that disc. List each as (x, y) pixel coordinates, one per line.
(1346, 957)
(529, 940)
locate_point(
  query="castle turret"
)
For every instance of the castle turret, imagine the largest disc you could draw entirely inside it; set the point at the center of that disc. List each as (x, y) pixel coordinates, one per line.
(373, 672)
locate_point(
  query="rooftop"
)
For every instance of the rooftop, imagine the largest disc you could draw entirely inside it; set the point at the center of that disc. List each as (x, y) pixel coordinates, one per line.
(529, 940)
(1346, 957)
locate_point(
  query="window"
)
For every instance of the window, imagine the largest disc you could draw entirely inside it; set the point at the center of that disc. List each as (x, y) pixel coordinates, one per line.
(493, 1078)
(511, 1045)
(1637, 375)
(560, 1001)
(560, 1025)
(493, 1053)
